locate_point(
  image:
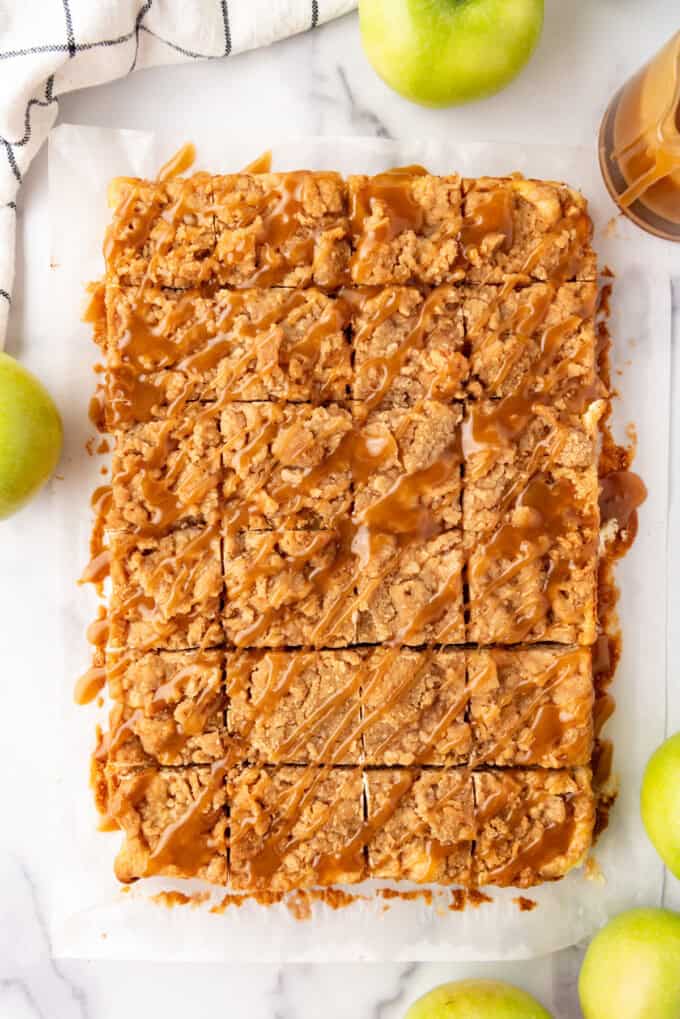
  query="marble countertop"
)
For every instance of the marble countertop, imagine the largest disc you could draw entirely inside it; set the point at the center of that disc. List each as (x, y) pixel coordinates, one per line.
(319, 83)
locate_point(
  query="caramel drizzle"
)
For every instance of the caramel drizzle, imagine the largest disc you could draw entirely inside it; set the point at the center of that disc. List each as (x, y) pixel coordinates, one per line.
(280, 841)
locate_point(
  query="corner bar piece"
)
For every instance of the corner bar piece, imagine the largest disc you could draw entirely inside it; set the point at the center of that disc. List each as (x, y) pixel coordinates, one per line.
(174, 822)
(531, 706)
(169, 708)
(166, 592)
(295, 828)
(413, 707)
(420, 825)
(531, 826)
(163, 232)
(296, 707)
(537, 229)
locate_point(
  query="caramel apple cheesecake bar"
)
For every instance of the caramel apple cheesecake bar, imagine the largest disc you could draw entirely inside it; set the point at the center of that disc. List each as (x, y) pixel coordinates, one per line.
(353, 528)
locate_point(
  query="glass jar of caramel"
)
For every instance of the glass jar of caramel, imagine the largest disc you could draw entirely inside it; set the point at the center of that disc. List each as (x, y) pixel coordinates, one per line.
(640, 145)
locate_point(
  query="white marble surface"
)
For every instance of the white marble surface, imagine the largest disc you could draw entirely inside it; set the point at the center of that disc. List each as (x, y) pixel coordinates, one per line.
(319, 83)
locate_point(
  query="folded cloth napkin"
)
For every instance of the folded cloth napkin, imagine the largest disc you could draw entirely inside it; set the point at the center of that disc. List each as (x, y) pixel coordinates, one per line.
(48, 47)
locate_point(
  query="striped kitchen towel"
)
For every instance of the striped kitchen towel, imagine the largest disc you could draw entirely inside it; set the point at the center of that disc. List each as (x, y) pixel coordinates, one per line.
(48, 47)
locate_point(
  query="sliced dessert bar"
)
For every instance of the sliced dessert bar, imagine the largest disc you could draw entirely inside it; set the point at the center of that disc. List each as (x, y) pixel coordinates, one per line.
(530, 519)
(409, 592)
(531, 706)
(405, 228)
(295, 827)
(413, 706)
(289, 588)
(408, 469)
(295, 707)
(174, 821)
(538, 339)
(286, 465)
(166, 474)
(420, 825)
(537, 229)
(166, 592)
(408, 345)
(531, 826)
(162, 232)
(281, 229)
(169, 708)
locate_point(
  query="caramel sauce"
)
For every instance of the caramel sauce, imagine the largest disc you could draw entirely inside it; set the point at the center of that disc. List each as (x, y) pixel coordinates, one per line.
(640, 144)
(178, 163)
(262, 164)
(90, 684)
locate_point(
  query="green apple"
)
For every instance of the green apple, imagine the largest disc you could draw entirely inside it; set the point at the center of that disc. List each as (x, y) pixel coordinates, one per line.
(441, 52)
(477, 999)
(30, 435)
(660, 802)
(632, 968)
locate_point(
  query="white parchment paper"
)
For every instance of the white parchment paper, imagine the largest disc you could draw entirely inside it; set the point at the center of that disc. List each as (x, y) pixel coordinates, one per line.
(90, 915)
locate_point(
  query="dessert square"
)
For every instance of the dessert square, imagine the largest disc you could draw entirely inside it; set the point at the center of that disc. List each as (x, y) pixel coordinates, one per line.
(288, 588)
(538, 229)
(413, 707)
(286, 465)
(174, 822)
(405, 228)
(296, 827)
(531, 826)
(536, 339)
(281, 229)
(166, 592)
(166, 474)
(169, 708)
(230, 345)
(531, 521)
(412, 592)
(408, 469)
(161, 232)
(531, 706)
(296, 707)
(420, 825)
(408, 345)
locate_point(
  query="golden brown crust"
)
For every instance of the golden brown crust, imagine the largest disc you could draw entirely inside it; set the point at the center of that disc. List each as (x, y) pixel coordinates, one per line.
(289, 588)
(348, 414)
(408, 345)
(166, 474)
(413, 707)
(411, 594)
